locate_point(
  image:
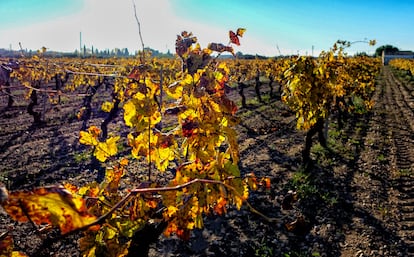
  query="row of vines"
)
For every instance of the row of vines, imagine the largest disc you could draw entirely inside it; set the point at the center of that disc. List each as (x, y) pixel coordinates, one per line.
(179, 120)
(403, 64)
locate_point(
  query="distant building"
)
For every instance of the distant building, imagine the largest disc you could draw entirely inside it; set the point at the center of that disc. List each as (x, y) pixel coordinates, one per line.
(386, 57)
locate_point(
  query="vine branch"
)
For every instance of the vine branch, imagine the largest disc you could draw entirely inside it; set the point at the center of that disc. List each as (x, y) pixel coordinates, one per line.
(139, 32)
(137, 191)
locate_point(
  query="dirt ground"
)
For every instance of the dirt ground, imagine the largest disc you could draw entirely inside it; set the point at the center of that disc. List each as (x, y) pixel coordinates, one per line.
(355, 200)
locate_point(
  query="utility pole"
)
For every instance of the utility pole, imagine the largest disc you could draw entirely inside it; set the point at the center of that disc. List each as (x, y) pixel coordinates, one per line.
(277, 46)
(80, 43)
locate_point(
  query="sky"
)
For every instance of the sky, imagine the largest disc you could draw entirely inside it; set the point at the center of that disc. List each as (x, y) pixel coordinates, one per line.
(273, 27)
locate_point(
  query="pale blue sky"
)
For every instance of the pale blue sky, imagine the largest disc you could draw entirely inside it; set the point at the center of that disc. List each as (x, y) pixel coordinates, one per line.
(20, 12)
(293, 26)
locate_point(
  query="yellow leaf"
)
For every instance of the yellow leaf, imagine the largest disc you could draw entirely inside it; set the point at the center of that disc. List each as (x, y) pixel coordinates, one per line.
(91, 252)
(129, 113)
(162, 157)
(18, 254)
(238, 201)
(175, 90)
(198, 222)
(107, 106)
(189, 113)
(155, 118)
(106, 149)
(218, 76)
(240, 32)
(110, 233)
(223, 66)
(87, 139)
(90, 137)
(189, 80)
(171, 210)
(215, 106)
(49, 205)
(138, 144)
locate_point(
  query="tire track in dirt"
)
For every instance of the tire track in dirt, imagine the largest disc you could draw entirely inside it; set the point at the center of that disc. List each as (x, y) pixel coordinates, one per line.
(400, 118)
(370, 230)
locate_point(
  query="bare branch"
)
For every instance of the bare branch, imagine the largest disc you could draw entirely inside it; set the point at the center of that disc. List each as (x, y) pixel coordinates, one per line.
(139, 31)
(94, 74)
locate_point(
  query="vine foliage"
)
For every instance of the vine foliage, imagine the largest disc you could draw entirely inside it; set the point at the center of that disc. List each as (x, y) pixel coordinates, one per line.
(198, 148)
(315, 88)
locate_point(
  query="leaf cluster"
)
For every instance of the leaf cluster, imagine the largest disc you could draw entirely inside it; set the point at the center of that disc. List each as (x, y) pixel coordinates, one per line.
(316, 87)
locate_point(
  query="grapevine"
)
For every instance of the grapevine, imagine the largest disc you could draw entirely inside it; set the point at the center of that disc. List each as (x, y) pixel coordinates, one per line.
(315, 88)
(200, 151)
(181, 125)
(403, 64)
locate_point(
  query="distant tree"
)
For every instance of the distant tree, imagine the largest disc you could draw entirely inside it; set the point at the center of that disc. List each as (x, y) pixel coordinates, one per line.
(361, 54)
(125, 52)
(239, 54)
(386, 48)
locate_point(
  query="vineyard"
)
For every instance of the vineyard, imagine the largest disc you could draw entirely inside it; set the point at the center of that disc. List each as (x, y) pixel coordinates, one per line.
(203, 156)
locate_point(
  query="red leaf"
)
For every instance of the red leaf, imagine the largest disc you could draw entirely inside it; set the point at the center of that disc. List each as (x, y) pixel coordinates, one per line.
(234, 38)
(188, 127)
(135, 74)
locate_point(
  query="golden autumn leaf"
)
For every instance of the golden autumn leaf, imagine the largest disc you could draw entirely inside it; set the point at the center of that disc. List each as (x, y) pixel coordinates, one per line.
(6, 248)
(113, 178)
(138, 144)
(107, 106)
(89, 137)
(162, 157)
(52, 205)
(170, 211)
(106, 149)
(155, 118)
(240, 32)
(129, 113)
(18, 254)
